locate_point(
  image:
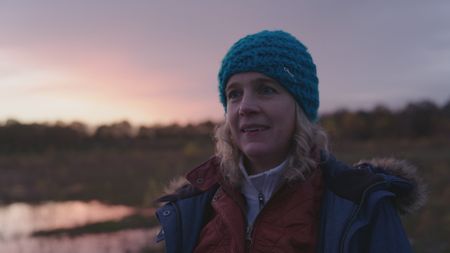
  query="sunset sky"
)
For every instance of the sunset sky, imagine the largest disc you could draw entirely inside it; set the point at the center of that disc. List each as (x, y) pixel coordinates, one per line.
(157, 61)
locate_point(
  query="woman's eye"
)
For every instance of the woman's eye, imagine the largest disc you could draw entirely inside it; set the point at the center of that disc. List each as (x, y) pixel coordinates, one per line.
(232, 94)
(267, 90)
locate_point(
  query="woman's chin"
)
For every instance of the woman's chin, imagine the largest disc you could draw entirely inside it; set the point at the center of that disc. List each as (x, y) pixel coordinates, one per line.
(259, 154)
(255, 151)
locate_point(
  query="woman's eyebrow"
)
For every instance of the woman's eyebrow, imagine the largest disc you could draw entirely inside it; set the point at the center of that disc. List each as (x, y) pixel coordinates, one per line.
(231, 85)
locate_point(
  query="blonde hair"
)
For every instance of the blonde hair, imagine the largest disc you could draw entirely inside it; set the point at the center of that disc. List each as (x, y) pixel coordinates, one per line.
(308, 141)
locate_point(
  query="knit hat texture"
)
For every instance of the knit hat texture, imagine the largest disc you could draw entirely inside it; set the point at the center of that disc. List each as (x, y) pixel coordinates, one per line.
(280, 56)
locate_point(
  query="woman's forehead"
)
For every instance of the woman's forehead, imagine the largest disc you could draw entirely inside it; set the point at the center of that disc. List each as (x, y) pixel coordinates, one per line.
(249, 78)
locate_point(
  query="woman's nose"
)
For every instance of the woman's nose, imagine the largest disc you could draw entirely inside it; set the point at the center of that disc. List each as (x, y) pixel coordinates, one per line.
(248, 105)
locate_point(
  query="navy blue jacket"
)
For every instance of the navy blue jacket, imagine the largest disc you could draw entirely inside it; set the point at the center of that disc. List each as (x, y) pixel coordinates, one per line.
(359, 212)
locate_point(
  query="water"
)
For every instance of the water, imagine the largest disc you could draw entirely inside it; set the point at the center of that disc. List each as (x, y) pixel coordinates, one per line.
(19, 220)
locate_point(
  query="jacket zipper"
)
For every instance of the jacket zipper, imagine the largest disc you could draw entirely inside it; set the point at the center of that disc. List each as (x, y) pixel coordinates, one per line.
(354, 215)
(262, 202)
(249, 229)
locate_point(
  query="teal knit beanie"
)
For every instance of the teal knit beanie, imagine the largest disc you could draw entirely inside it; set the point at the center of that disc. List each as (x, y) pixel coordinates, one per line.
(278, 55)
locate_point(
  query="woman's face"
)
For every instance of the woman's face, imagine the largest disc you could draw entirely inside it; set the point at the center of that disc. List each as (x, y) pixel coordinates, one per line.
(261, 116)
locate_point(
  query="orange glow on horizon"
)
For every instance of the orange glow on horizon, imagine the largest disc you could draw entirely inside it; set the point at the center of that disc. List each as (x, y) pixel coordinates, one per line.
(107, 91)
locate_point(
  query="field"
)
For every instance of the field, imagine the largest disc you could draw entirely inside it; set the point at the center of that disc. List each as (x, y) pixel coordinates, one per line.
(136, 177)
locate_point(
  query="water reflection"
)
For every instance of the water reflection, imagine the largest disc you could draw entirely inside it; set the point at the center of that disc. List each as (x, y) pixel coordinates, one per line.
(130, 241)
(19, 220)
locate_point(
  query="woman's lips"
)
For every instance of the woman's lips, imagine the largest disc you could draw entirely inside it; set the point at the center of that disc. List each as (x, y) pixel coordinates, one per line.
(253, 128)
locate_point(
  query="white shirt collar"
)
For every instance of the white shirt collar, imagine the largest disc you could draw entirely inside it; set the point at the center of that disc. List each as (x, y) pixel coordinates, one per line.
(265, 181)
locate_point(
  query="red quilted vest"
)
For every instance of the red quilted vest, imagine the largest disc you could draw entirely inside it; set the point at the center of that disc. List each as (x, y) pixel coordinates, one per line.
(288, 222)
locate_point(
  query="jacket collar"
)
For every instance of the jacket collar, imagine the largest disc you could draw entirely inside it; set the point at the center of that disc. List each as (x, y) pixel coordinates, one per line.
(206, 175)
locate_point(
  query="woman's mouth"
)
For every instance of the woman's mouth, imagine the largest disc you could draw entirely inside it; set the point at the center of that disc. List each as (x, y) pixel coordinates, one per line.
(253, 129)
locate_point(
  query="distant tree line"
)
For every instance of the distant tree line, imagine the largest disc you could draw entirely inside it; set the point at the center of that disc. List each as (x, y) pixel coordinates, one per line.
(422, 119)
(17, 137)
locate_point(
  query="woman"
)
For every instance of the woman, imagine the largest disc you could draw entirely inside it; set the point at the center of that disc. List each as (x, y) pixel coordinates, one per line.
(272, 185)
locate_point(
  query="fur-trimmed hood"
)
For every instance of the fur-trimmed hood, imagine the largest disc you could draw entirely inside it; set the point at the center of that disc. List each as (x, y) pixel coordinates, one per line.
(416, 197)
